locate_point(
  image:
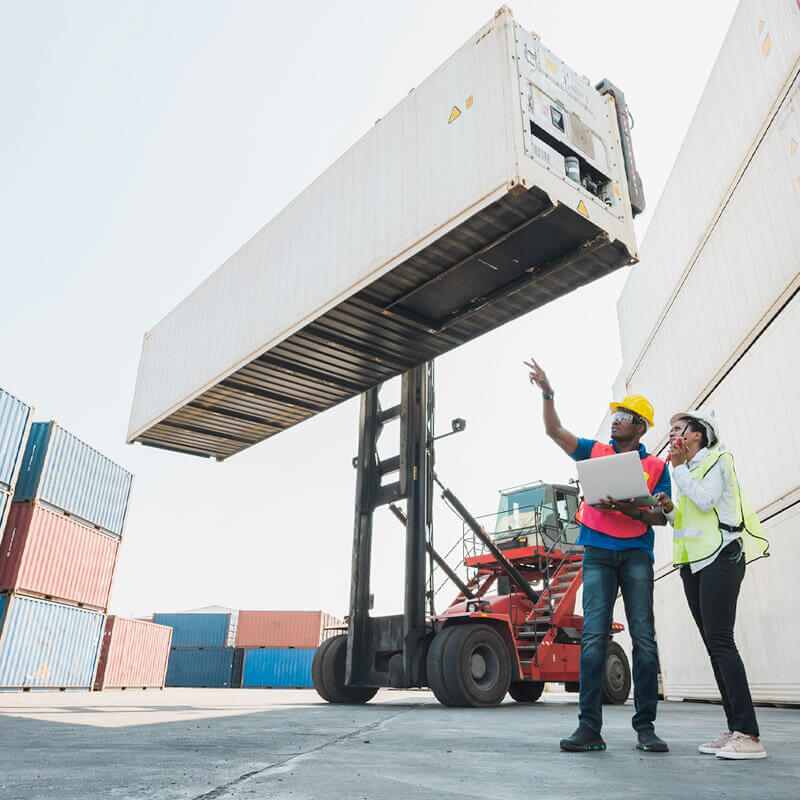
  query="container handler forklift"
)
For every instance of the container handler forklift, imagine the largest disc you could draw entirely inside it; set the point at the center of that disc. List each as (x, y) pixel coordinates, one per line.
(511, 627)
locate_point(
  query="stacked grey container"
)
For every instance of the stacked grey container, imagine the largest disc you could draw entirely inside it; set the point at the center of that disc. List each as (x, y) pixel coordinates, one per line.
(15, 423)
(47, 643)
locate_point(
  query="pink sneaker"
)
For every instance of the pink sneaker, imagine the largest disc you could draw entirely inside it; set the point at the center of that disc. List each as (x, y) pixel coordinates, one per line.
(715, 745)
(742, 746)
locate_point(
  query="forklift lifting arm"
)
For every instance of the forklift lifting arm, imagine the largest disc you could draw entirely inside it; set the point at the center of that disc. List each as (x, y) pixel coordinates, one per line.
(510, 569)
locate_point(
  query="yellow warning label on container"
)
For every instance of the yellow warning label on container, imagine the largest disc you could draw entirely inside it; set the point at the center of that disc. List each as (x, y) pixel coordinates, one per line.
(794, 145)
(469, 102)
(760, 26)
(454, 114)
(766, 46)
(552, 68)
(616, 191)
(582, 209)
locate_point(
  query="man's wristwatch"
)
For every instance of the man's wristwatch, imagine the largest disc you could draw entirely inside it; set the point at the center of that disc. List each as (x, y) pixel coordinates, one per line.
(548, 396)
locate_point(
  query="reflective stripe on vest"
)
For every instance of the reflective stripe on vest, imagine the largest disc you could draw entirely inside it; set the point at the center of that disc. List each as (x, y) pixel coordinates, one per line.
(697, 535)
(612, 523)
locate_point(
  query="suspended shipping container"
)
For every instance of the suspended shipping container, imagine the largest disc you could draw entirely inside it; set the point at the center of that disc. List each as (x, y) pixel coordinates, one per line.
(47, 554)
(197, 630)
(63, 472)
(751, 79)
(278, 668)
(133, 655)
(205, 667)
(283, 628)
(47, 645)
(15, 422)
(499, 184)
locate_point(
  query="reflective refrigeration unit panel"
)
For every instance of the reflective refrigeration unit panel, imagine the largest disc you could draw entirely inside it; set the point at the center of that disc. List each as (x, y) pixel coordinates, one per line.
(502, 182)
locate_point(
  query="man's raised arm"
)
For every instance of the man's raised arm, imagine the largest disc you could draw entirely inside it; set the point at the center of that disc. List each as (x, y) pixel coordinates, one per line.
(552, 424)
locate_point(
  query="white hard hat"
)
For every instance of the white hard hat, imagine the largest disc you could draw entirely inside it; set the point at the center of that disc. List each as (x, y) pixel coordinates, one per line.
(706, 419)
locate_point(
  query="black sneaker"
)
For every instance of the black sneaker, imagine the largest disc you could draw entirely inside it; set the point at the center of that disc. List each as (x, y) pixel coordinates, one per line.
(650, 743)
(582, 741)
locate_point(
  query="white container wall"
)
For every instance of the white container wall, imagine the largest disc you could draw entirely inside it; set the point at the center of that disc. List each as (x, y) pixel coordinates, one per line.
(711, 319)
(743, 274)
(407, 246)
(769, 592)
(756, 64)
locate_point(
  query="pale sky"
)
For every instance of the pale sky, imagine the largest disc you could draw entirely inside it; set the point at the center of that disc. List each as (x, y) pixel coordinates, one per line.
(143, 143)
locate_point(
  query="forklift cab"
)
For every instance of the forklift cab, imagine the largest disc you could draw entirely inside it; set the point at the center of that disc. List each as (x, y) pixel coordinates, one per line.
(538, 514)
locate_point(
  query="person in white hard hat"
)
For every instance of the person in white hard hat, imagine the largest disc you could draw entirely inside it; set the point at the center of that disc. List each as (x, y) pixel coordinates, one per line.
(716, 534)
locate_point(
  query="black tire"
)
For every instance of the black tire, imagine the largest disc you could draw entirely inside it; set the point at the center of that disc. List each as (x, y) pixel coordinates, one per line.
(433, 666)
(316, 670)
(476, 666)
(572, 686)
(617, 676)
(526, 691)
(333, 665)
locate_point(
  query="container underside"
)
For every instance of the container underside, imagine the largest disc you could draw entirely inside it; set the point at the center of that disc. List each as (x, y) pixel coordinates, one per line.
(515, 255)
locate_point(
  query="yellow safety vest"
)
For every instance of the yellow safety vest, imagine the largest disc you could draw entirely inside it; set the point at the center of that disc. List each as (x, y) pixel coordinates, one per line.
(697, 533)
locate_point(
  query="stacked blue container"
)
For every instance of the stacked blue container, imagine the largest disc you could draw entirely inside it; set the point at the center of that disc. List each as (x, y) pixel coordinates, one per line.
(201, 653)
(15, 423)
(45, 644)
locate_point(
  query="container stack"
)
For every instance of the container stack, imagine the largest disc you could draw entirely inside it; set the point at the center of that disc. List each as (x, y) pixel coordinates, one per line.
(202, 652)
(57, 560)
(279, 646)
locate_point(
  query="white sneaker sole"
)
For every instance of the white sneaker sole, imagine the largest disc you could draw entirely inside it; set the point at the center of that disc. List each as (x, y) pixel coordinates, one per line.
(708, 751)
(741, 756)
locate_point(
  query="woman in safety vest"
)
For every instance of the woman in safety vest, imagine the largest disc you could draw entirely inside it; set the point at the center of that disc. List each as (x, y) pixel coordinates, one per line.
(716, 534)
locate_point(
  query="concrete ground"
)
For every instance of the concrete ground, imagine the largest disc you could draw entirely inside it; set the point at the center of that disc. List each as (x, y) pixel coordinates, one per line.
(193, 744)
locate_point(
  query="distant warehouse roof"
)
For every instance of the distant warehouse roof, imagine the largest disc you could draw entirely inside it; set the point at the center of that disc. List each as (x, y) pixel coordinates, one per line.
(432, 230)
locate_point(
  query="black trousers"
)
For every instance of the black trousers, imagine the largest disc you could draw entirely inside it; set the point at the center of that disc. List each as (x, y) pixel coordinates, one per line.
(712, 594)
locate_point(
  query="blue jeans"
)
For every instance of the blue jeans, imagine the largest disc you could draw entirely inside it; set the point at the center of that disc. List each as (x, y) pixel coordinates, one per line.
(604, 572)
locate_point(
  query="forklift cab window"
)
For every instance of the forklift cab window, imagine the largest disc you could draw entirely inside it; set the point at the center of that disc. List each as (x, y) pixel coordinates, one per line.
(567, 507)
(518, 509)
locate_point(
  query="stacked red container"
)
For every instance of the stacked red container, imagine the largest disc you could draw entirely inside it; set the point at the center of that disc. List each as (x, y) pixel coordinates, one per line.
(284, 628)
(133, 655)
(46, 554)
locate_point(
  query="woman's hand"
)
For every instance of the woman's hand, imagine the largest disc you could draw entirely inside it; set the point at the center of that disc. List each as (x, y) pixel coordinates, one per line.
(679, 454)
(664, 503)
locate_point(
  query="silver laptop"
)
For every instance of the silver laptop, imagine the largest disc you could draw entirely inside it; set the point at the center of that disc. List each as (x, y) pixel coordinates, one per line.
(619, 476)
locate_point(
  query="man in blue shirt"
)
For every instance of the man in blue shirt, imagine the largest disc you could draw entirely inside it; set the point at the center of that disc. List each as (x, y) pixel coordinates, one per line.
(618, 542)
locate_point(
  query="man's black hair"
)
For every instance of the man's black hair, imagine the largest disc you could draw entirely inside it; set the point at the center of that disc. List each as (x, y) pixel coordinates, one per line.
(697, 427)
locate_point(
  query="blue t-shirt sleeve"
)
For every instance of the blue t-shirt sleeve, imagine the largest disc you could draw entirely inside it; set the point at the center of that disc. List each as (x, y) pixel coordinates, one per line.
(584, 451)
(664, 484)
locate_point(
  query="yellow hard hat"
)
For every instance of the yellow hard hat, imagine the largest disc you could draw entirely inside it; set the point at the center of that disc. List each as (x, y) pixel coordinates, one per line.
(639, 405)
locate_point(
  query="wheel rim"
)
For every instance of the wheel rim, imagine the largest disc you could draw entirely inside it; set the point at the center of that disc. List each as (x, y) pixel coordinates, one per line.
(615, 674)
(484, 666)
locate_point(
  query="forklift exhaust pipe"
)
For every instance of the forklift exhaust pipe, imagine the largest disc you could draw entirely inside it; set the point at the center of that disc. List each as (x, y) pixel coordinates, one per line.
(512, 571)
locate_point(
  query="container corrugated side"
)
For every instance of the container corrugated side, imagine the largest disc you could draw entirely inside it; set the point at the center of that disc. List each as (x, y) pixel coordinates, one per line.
(202, 667)
(749, 79)
(753, 405)
(44, 644)
(282, 628)
(69, 475)
(747, 268)
(196, 630)
(134, 654)
(15, 420)
(768, 593)
(428, 232)
(47, 554)
(278, 668)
